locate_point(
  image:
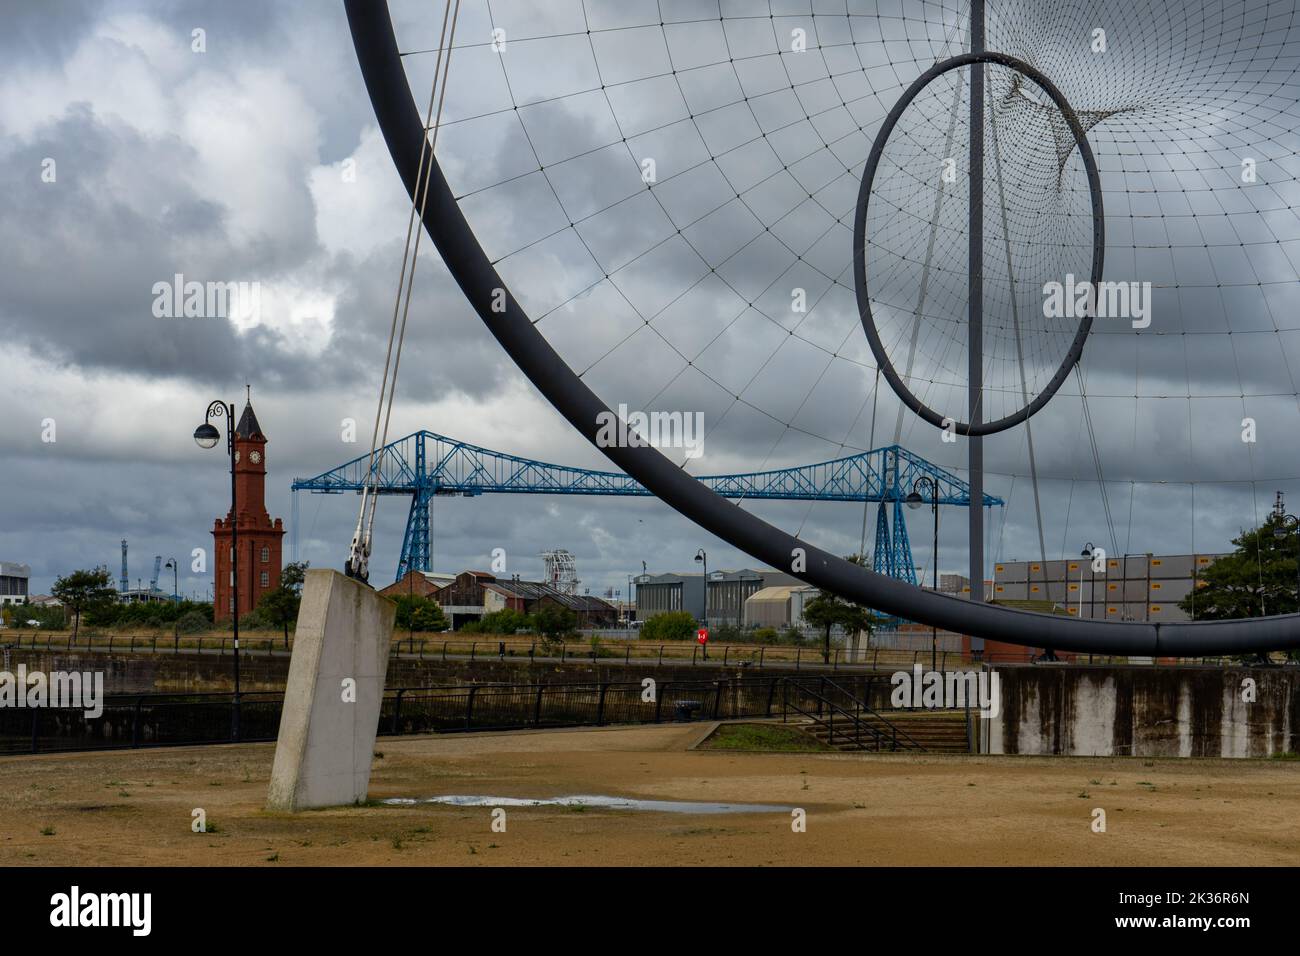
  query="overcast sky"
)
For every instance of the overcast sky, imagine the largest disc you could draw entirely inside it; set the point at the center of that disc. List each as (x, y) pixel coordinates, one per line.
(258, 160)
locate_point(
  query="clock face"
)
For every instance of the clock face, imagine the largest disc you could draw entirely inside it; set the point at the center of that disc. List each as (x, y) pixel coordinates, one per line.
(236, 456)
(255, 456)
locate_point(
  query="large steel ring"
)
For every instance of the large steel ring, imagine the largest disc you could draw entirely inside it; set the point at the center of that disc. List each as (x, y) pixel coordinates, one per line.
(859, 244)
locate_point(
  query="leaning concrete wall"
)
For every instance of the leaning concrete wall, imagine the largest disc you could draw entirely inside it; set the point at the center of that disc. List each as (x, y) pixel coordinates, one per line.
(1147, 711)
(333, 695)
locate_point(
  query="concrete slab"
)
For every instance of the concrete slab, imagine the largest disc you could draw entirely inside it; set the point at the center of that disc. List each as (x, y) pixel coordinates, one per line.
(333, 695)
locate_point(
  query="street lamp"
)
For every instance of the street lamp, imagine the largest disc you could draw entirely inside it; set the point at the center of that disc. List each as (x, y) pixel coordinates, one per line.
(207, 436)
(702, 558)
(176, 599)
(914, 501)
(1290, 523)
(1085, 553)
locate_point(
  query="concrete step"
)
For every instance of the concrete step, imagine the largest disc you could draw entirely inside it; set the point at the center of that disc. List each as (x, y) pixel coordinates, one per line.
(932, 731)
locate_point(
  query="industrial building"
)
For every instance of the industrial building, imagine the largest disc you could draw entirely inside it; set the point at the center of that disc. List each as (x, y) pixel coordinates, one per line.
(1133, 587)
(472, 594)
(14, 578)
(779, 606)
(727, 593)
(422, 583)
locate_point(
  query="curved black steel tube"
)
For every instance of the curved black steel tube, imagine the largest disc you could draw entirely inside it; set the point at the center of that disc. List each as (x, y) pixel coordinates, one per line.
(860, 243)
(399, 119)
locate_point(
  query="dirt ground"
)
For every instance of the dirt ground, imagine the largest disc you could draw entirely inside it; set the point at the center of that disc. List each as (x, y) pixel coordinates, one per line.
(129, 808)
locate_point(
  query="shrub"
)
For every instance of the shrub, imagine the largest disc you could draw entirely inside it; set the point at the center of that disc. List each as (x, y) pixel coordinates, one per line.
(669, 626)
(506, 621)
(192, 622)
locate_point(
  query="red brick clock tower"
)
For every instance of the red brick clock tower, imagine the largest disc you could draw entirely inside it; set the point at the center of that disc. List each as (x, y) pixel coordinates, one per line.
(260, 538)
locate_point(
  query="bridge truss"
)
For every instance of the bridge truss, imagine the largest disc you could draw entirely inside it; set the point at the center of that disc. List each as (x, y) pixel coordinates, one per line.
(424, 465)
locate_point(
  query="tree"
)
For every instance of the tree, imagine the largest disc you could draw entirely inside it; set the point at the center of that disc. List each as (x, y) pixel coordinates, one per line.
(669, 626)
(280, 605)
(418, 613)
(83, 590)
(554, 623)
(827, 610)
(1258, 578)
(823, 611)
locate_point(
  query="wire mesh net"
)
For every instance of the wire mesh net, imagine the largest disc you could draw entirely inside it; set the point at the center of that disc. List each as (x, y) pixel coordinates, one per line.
(669, 190)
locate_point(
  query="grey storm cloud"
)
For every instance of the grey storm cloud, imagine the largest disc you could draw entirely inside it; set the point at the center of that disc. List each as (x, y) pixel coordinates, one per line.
(226, 166)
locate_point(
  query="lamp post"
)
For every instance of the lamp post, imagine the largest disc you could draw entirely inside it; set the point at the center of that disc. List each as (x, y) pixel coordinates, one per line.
(1085, 553)
(1290, 524)
(914, 501)
(701, 557)
(207, 436)
(176, 599)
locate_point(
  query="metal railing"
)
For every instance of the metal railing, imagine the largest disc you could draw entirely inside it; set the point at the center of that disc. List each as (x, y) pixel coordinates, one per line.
(626, 652)
(160, 720)
(856, 717)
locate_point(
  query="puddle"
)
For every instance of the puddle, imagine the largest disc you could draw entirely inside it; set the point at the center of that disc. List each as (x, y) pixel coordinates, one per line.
(611, 803)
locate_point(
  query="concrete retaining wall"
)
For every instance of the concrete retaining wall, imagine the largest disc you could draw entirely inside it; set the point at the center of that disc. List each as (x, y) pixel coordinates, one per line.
(1146, 711)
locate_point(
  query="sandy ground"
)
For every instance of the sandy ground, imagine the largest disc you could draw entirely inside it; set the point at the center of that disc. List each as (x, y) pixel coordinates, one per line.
(136, 807)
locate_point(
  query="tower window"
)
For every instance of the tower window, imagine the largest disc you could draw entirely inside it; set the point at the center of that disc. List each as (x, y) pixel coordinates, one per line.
(266, 556)
(266, 576)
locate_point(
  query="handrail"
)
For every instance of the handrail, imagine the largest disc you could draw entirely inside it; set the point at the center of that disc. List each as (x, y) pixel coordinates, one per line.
(871, 710)
(894, 732)
(834, 708)
(829, 724)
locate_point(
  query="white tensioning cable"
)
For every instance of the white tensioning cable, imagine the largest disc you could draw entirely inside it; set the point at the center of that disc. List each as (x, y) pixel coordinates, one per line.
(358, 564)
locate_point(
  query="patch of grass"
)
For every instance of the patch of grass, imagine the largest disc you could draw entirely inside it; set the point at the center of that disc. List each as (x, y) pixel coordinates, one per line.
(274, 858)
(47, 831)
(1287, 755)
(772, 737)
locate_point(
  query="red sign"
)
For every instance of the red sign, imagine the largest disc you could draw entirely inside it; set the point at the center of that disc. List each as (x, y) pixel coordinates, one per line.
(702, 635)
